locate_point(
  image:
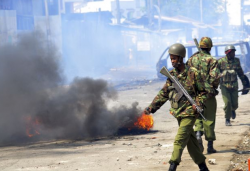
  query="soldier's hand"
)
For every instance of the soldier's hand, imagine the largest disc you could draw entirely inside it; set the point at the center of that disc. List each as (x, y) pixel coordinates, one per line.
(147, 110)
(244, 91)
(194, 108)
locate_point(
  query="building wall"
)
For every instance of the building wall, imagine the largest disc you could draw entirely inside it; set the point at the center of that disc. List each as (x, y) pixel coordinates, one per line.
(8, 26)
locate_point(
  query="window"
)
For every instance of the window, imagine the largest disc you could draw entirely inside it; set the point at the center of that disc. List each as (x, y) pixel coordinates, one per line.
(244, 49)
(212, 52)
(221, 50)
(194, 49)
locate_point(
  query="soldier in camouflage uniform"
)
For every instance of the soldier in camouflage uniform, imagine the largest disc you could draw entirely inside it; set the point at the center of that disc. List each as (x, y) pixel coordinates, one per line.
(230, 67)
(181, 109)
(207, 65)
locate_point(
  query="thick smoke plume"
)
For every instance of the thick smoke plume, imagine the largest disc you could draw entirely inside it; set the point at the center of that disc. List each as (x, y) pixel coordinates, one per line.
(32, 95)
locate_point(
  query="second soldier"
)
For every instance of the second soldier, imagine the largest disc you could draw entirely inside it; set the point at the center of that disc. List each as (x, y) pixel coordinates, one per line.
(207, 65)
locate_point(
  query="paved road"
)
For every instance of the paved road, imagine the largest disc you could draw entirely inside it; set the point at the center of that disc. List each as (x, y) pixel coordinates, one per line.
(146, 151)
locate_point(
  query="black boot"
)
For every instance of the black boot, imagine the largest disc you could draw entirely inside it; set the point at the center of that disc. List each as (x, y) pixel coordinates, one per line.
(198, 136)
(210, 147)
(173, 167)
(228, 122)
(203, 167)
(233, 114)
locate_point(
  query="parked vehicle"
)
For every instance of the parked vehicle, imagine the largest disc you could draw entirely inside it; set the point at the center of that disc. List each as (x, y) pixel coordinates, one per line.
(218, 51)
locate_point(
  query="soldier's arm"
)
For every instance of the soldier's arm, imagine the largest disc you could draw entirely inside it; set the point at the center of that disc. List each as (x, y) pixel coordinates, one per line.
(160, 98)
(214, 74)
(240, 73)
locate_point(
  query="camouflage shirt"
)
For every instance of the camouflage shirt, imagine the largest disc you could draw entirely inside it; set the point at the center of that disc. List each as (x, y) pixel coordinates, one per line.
(234, 66)
(191, 80)
(207, 65)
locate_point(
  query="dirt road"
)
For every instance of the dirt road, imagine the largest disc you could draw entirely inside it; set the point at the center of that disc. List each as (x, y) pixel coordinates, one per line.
(146, 151)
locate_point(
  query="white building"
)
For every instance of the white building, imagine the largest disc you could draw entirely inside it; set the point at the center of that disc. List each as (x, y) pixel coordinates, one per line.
(128, 8)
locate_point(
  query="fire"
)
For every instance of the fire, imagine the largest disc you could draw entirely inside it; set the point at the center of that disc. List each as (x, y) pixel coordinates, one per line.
(32, 126)
(144, 122)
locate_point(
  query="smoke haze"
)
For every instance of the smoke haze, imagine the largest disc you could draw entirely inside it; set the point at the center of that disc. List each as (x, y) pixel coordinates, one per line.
(31, 91)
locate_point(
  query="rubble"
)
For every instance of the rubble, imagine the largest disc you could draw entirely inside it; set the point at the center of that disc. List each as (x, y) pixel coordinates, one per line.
(212, 161)
(239, 162)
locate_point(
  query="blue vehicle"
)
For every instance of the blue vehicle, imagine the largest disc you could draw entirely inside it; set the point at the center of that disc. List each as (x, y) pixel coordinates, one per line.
(218, 51)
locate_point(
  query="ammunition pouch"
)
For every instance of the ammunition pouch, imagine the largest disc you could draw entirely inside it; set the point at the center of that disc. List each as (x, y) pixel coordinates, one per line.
(229, 76)
(176, 99)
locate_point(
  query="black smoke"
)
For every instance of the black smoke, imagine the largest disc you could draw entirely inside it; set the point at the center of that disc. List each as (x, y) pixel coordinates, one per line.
(32, 86)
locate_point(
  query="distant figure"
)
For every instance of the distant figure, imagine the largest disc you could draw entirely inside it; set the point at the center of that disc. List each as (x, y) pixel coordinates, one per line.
(181, 109)
(207, 65)
(230, 67)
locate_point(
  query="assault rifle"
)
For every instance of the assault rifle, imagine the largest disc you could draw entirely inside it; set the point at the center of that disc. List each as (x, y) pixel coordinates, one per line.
(197, 45)
(181, 90)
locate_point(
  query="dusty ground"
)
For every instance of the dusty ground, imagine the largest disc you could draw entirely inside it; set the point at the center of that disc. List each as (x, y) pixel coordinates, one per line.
(239, 161)
(144, 151)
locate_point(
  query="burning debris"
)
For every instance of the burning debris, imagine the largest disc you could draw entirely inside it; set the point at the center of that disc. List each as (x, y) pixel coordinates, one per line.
(32, 126)
(34, 103)
(144, 122)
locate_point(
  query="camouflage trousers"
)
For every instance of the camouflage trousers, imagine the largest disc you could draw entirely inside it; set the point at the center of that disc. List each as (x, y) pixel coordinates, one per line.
(230, 98)
(186, 137)
(210, 114)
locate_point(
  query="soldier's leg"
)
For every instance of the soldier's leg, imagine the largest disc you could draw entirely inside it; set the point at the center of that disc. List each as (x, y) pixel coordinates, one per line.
(209, 125)
(194, 150)
(198, 124)
(199, 131)
(234, 99)
(182, 138)
(226, 96)
(210, 115)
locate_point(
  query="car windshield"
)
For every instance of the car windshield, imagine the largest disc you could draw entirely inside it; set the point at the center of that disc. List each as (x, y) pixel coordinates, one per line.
(216, 51)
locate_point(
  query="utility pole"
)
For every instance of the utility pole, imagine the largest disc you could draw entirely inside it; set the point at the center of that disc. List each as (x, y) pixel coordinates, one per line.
(159, 16)
(242, 17)
(150, 14)
(118, 15)
(47, 22)
(201, 12)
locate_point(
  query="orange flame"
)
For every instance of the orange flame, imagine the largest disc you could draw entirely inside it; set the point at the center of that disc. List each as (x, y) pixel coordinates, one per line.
(32, 126)
(144, 122)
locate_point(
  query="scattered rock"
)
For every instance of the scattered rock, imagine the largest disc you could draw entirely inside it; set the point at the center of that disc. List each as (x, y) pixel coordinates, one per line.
(212, 161)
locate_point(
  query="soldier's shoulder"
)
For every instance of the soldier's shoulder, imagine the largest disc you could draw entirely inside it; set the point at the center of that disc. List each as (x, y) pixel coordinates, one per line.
(207, 55)
(195, 55)
(211, 58)
(221, 59)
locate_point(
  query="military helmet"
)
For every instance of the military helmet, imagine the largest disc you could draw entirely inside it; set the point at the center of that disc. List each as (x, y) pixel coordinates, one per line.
(206, 42)
(229, 47)
(177, 49)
